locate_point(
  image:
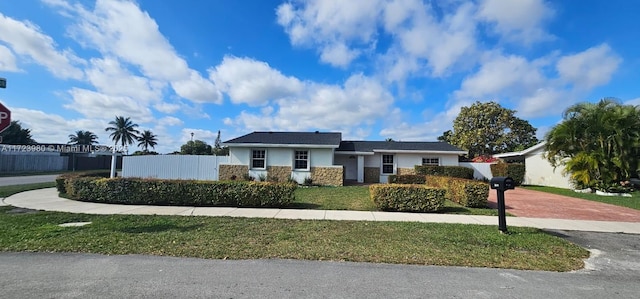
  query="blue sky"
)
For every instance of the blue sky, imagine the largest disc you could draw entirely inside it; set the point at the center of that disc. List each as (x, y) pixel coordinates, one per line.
(371, 69)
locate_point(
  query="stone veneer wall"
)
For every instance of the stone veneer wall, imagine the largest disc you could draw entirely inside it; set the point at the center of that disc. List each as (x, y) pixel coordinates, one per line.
(226, 171)
(372, 175)
(281, 173)
(406, 171)
(327, 176)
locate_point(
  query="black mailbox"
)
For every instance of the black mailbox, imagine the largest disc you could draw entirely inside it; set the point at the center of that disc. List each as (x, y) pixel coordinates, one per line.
(502, 183)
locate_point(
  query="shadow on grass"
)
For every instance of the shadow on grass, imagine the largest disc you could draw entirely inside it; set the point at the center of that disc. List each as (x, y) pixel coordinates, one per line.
(302, 205)
(159, 228)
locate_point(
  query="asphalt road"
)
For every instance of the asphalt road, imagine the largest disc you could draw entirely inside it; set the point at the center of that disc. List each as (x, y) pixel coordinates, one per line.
(613, 273)
(30, 179)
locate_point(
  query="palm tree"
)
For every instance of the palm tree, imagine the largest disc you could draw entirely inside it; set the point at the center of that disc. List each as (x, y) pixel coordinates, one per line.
(597, 142)
(83, 138)
(147, 139)
(122, 130)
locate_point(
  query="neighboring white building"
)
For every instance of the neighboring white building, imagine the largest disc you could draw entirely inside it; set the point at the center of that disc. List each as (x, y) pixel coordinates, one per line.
(538, 170)
(327, 159)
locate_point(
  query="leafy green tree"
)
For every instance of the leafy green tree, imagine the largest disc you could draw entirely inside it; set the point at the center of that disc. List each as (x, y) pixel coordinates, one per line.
(122, 130)
(147, 139)
(196, 147)
(15, 134)
(83, 138)
(446, 136)
(597, 143)
(488, 128)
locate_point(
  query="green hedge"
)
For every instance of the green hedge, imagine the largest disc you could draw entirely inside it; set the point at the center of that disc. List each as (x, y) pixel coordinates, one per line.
(407, 198)
(514, 170)
(468, 193)
(407, 179)
(180, 192)
(60, 180)
(450, 171)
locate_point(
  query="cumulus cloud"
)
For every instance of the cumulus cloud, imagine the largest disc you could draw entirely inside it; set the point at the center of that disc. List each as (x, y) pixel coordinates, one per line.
(97, 105)
(7, 60)
(253, 82)
(109, 77)
(53, 128)
(520, 20)
(28, 40)
(121, 29)
(590, 68)
(359, 101)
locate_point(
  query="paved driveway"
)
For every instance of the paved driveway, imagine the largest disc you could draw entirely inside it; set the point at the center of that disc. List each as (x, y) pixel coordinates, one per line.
(529, 203)
(30, 179)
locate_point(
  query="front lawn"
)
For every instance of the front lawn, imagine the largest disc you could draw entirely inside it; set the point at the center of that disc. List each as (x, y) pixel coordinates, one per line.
(629, 202)
(6, 191)
(357, 198)
(257, 238)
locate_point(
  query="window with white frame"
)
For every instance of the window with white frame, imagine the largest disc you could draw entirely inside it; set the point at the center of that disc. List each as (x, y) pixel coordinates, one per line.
(430, 161)
(258, 159)
(387, 164)
(301, 160)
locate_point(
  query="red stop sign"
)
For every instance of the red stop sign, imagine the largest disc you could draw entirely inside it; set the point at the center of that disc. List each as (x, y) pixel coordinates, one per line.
(5, 117)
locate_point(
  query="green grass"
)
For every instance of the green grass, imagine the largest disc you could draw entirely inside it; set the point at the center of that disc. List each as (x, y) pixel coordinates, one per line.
(6, 191)
(629, 202)
(357, 198)
(255, 238)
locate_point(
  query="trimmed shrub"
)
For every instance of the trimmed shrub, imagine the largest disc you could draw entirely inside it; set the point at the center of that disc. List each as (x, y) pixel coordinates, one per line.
(407, 179)
(450, 171)
(407, 198)
(61, 185)
(514, 170)
(468, 193)
(180, 192)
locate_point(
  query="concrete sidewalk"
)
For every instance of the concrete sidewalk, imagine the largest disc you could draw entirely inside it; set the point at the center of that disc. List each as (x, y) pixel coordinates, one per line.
(48, 200)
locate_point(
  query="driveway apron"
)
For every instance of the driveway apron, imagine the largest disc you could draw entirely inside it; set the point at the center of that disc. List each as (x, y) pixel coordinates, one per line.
(529, 203)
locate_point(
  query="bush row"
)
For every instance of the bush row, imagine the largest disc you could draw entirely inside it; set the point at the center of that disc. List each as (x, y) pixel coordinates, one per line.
(468, 193)
(514, 170)
(61, 179)
(180, 192)
(407, 179)
(407, 198)
(450, 171)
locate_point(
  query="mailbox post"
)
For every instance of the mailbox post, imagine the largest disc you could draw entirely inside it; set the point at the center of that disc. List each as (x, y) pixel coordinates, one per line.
(501, 184)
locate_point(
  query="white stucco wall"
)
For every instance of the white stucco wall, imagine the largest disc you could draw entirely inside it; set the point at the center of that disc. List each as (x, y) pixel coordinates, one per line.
(481, 171)
(319, 157)
(540, 172)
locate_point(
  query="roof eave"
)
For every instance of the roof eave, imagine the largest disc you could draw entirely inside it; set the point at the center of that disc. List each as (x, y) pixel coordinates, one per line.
(271, 145)
(419, 152)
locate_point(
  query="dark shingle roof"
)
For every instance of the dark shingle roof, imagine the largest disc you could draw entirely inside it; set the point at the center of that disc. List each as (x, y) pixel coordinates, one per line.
(370, 146)
(307, 138)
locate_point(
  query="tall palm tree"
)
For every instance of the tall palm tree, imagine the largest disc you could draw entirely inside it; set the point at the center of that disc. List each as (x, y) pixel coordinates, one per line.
(147, 139)
(83, 138)
(122, 130)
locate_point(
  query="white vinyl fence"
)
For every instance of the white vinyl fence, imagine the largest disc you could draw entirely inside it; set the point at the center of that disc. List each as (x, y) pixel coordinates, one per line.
(175, 167)
(481, 171)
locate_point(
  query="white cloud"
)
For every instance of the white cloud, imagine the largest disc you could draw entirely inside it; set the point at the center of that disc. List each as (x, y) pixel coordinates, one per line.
(167, 108)
(198, 134)
(170, 121)
(360, 101)
(97, 105)
(53, 128)
(634, 102)
(121, 29)
(109, 77)
(331, 25)
(590, 68)
(26, 39)
(338, 55)
(253, 82)
(502, 75)
(542, 101)
(7, 60)
(520, 20)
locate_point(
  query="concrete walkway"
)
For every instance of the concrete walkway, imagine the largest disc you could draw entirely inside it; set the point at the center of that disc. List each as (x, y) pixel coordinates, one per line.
(48, 200)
